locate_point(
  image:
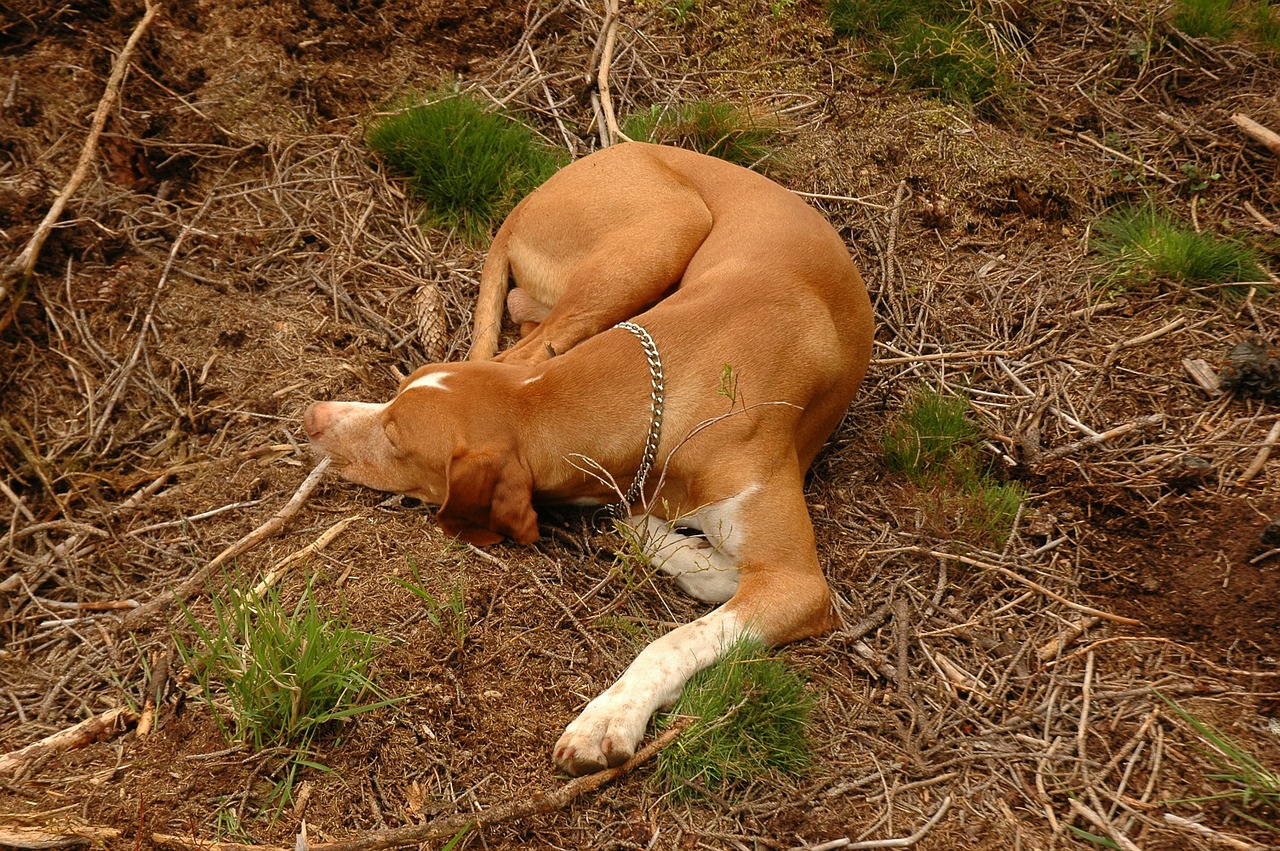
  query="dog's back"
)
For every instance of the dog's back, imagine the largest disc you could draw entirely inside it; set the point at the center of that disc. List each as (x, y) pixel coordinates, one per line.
(611, 234)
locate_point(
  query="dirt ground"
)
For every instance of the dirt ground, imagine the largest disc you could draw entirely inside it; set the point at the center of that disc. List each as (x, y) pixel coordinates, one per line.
(236, 254)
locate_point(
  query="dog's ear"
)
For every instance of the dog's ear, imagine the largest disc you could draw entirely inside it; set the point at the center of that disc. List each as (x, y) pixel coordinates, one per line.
(489, 498)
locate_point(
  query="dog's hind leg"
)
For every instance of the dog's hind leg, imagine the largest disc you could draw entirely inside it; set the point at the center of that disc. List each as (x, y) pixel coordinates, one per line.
(703, 569)
(602, 246)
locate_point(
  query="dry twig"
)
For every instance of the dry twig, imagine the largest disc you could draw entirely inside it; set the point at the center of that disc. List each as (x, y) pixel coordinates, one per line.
(442, 828)
(1260, 460)
(194, 582)
(903, 842)
(1265, 136)
(21, 267)
(1022, 580)
(86, 732)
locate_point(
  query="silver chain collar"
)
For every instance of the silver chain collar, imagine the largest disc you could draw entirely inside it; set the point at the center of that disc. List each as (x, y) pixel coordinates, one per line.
(658, 398)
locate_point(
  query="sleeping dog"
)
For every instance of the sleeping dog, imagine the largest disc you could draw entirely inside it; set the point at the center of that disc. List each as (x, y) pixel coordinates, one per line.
(683, 317)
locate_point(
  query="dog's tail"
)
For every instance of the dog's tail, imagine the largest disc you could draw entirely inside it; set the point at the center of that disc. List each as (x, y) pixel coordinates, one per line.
(487, 326)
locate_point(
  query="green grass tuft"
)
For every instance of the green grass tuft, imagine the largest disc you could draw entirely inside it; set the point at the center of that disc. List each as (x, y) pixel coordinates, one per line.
(934, 444)
(469, 166)
(752, 716)
(989, 507)
(1253, 789)
(862, 18)
(931, 429)
(938, 45)
(954, 59)
(1142, 244)
(276, 676)
(1265, 24)
(723, 130)
(447, 613)
(1204, 18)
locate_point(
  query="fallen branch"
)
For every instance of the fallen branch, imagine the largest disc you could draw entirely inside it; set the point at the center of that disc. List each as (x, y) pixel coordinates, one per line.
(17, 836)
(85, 733)
(104, 837)
(1097, 439)
(20, 269)
(1260, 460)
(450, 826)
(197, 580)
(1265, 136)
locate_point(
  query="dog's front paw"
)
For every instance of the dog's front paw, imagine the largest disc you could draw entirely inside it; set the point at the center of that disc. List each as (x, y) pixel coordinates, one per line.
(604, 735)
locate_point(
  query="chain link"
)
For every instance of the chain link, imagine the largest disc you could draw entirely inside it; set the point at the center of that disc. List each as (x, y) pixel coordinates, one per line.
(658, 400)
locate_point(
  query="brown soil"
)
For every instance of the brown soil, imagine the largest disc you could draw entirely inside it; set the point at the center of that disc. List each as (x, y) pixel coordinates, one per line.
(1186, 569)
(236, 254)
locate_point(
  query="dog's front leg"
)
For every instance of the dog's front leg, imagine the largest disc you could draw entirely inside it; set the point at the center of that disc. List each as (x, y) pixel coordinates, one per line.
(611, 727)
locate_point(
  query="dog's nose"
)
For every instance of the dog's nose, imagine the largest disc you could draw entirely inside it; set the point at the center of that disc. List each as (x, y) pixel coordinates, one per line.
(314, 420)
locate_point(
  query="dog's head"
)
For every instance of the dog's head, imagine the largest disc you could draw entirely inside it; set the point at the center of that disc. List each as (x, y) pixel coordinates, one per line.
(438, 440)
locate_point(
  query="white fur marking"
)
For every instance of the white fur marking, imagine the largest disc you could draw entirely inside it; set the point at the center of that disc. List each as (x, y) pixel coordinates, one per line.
(610, 728)
(434, 380)
(705, 565)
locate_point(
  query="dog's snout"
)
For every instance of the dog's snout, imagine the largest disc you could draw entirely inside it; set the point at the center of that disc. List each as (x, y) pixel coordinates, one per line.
(313, 420)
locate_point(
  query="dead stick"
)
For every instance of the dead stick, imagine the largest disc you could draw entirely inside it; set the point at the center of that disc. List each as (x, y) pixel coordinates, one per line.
(195, 581)
(1056, 645)
(1006, 572)
(450, 826)
(1145, 166)
(86, 732)
(20, 836)
(312, 548)
(155, 696)
(1267, 137)
(1260, 460)
(1100, 822)
(602, 77)
(23, 265)
(1211, 834)
(1261, 219)
(1120, 345)
(1111, 434)
(905, 841)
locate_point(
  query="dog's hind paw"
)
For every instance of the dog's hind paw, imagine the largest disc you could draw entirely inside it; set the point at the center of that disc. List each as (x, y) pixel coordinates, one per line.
(603, 736)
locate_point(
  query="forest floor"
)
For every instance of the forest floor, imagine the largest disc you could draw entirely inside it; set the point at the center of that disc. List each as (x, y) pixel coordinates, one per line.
(236, 253)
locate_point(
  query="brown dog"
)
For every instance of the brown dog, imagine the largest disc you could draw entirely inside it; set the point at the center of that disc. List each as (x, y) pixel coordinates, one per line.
(744, 299)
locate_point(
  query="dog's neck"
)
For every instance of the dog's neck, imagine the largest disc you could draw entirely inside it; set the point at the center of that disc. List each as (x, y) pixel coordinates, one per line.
(559, 452)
